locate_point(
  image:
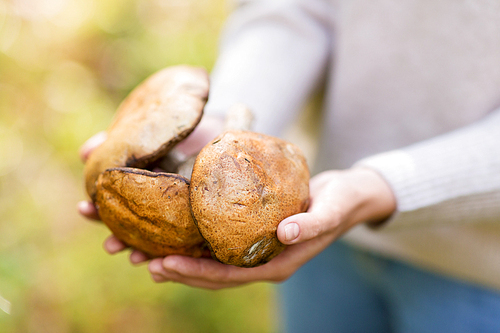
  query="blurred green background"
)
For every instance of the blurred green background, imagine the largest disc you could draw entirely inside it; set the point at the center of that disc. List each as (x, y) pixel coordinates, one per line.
(65, 65)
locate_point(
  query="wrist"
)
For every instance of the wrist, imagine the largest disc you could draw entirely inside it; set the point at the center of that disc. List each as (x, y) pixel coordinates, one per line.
(376, 201)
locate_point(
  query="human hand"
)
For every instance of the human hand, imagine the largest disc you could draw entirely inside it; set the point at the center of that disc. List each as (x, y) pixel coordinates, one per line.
(208, 128)
(339, 201)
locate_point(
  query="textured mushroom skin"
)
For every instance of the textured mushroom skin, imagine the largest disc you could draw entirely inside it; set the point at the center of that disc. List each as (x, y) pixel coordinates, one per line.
(149, 211)
(243, 184)
(158, 114)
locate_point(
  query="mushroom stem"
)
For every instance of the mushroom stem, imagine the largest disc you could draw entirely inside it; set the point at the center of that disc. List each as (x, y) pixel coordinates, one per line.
(238, 117)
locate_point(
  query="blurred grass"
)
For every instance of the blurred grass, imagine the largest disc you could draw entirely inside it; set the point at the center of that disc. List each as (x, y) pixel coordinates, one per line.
(64, 67)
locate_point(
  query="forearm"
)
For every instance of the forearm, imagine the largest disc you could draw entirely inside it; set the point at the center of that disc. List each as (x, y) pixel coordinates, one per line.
(273, 55)
(454, 178)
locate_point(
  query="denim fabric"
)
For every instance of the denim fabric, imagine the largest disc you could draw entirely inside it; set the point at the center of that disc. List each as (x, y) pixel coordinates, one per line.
(345, 289)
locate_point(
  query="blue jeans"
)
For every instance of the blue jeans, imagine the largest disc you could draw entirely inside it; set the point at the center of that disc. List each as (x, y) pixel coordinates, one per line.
(349, 290)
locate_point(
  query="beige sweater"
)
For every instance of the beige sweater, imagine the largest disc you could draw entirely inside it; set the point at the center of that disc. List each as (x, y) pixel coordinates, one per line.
(412, 91)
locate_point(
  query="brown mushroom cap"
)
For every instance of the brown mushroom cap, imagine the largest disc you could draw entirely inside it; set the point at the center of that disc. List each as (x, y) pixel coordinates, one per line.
(158, 114)
(243, 184)
(149, 211)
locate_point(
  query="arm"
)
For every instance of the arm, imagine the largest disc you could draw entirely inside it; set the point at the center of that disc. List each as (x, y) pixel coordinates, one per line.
(453, 178)
(273, 54)
(339, 201)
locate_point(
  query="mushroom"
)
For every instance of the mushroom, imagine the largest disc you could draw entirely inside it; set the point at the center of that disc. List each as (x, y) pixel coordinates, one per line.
(148, 210)
(242, 186)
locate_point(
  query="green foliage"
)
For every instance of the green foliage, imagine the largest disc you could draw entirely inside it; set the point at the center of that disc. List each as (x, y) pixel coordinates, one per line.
(65, 65)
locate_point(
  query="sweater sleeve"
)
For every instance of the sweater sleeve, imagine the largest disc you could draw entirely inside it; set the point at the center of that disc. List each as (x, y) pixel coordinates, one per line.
(453, 178)
(273, 54)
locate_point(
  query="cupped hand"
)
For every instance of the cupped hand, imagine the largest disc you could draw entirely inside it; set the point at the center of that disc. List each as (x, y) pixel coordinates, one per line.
(208, 128)
(339, 201)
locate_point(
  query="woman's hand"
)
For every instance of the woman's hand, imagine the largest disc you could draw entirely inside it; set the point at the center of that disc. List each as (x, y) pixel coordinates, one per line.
(339, 201)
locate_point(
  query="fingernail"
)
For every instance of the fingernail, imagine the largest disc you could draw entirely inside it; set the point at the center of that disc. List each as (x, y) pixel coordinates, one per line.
(155, 267)
(170, 266)
(291, 231)
(113, 245)
(137, 257)
(82, 206)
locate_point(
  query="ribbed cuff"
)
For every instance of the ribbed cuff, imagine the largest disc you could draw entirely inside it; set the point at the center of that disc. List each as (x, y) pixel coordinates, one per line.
(452, 178)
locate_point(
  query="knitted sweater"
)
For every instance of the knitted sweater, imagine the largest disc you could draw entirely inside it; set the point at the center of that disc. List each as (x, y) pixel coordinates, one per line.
(412, 91)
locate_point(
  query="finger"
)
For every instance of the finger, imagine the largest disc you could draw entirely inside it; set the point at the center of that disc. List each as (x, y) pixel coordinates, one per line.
(155, 267)
(87, 209)
(214, 273)
(161, 274)
(208, 273)
(200, 283)
(159, 278)
(192, 282)
(305, 226)
(158, 273)
(138, 257)
(92, 143)
(113, 245)
(207, 269)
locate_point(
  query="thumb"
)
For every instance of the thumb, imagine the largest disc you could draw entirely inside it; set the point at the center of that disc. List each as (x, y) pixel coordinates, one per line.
(305, 226)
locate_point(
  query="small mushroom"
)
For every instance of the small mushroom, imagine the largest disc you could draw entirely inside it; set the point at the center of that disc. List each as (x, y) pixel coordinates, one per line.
(242, 186)
(157, 115)
(147, 210)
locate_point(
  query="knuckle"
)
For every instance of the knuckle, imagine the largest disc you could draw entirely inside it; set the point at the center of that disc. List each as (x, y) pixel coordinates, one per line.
(317, 227)
(314, 228)
(335, 216)
(330, 220)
